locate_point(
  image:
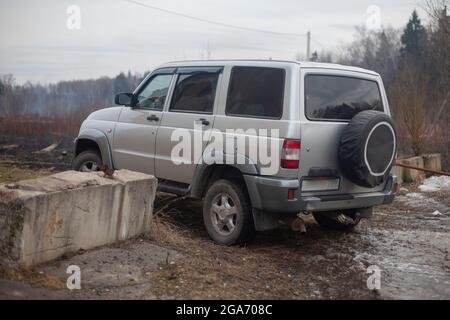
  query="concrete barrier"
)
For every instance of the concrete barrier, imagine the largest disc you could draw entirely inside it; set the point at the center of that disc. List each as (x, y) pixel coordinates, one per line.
(426, 161)
(411, 175)
(398, 172)
(43, 218)
(432, 162)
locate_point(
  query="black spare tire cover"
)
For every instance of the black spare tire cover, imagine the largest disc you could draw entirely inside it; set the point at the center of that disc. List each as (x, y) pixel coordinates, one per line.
(367, 148)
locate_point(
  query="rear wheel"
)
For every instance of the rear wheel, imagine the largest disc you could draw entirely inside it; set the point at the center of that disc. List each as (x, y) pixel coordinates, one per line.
(227, 212)
(87, 161)
(343, 220)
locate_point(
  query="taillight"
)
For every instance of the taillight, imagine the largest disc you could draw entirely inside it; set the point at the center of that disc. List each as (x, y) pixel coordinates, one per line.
(290, 154)
(395, 188)
(291, 194)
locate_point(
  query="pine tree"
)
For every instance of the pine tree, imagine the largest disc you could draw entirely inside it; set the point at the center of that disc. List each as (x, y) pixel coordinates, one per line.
(121, 84)
(413, 40)
(440, 53)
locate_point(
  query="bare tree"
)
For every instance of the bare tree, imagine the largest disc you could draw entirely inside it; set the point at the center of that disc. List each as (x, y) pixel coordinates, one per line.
(433, 8)
(6, 94)
(411, 103)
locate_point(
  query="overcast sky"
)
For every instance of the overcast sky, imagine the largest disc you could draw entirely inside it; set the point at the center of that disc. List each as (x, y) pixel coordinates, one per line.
(117, 35)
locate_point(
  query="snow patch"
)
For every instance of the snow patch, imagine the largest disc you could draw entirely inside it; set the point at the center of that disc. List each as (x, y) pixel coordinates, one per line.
(435, 183)
(414, 195)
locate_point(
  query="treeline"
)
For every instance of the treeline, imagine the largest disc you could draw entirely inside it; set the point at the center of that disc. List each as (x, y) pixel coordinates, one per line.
(414, 63)
(63, 98)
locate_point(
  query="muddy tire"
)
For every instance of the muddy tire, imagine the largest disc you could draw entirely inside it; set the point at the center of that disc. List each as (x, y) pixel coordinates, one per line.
(87, 161)
(344, 220)
(227, 213)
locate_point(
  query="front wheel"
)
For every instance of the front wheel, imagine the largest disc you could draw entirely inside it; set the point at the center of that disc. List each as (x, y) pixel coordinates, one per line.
(227, 212)
(87, 161)
(344, 220)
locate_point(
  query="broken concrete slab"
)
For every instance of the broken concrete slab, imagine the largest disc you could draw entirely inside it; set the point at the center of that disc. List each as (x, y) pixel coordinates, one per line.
(43, 218)
(412, 175)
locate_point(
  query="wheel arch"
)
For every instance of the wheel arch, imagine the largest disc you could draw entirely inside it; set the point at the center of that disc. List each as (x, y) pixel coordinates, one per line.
(94, 139)
(205, 174)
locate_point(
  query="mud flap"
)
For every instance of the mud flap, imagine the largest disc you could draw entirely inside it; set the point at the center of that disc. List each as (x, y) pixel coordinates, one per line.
(265, 221)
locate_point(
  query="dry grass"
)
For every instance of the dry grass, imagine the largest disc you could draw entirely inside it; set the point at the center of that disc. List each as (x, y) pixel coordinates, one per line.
(210, 271)
(35, 126)
(12, 173)
(32, 277)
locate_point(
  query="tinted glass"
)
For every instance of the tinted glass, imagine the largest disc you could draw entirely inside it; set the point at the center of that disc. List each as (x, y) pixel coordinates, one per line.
(256, 92)
(340, 98)
(195, 92)
(154, 93)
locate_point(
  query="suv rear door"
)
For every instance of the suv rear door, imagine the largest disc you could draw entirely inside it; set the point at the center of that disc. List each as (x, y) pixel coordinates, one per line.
(329, 99)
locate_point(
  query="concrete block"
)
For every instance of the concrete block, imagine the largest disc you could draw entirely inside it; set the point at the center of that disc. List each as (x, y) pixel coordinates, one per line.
(411, 175)
(398, 171)
(43, 218)
(432, 162)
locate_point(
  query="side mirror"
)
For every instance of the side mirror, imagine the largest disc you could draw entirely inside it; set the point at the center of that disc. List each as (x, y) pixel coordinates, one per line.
(123, 99)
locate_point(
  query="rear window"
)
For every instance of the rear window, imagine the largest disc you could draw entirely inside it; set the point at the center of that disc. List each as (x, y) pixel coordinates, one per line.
(256, 92)
(340, 98)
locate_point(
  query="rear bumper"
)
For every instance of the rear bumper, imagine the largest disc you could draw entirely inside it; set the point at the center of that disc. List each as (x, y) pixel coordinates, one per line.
(269, 194)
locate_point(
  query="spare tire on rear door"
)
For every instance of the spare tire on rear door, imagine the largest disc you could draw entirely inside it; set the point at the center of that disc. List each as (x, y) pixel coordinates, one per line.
(367, 148)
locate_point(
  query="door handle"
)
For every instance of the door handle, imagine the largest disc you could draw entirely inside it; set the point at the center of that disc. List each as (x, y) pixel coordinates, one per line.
(204, 121)
(152, 118)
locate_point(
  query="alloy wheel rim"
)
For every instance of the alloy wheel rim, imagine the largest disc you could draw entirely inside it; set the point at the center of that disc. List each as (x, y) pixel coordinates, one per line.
(224, 213)
(89, 166)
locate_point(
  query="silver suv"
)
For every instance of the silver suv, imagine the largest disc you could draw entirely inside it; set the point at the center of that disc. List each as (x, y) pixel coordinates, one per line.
(327, 139)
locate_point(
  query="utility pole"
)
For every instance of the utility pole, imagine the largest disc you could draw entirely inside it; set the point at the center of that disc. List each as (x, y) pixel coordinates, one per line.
(208, 51)
(308, 46)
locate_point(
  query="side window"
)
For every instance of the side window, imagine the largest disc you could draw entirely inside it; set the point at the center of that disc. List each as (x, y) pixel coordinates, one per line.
(256, 92)
(153, 95)
(195, 92)
(339, 98)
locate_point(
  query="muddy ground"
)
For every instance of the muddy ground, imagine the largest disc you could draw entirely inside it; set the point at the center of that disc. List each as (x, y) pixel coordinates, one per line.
(409, 241)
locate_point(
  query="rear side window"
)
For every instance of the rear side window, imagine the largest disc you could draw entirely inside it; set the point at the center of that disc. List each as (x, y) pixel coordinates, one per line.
(256, 92)
(339, 98)
(195, 92)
